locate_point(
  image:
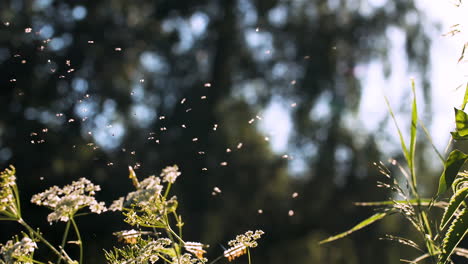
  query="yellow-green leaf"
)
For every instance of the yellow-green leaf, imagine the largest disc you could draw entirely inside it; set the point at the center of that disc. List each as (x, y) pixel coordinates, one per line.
(357, 227)
(454, 162)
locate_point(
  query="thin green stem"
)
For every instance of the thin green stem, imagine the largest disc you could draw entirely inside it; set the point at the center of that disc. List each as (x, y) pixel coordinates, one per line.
(168, 188)
(80, 244)
(64, 239)
(248, 255)
(17, 201)
(170, 233)
(179, 223)
(42, 239)
(163, 258)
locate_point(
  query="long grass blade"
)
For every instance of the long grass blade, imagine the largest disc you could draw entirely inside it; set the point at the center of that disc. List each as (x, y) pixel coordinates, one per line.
(413, 131)
(368, 221)
(402, 140)
(428, 136)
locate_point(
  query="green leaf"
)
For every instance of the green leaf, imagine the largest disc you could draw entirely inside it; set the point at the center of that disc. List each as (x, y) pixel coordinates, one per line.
(455, 201)
(460, 181)
(413, 130)
(465, 99)
(461, 121)
(357, 227)
(422, 202)
(414, 123)
(402, 140)
(454, 162)
(454, 236)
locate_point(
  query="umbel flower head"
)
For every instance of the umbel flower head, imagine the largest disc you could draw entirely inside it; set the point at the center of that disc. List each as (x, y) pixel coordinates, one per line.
(18, 251)
(239, 246)
(8, 193)
(170, 174)
(66, 201)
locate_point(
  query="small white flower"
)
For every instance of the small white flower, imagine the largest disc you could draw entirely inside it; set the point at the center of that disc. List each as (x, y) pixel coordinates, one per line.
(170, 174)
(66, 201)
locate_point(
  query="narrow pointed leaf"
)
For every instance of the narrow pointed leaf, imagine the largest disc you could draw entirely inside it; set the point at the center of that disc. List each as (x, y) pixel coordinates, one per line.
(465, 99)
(454, 162)
(368, 221)
(423, 202)
(402, 140)
(414, 122)
(455, 201)
(454, 236)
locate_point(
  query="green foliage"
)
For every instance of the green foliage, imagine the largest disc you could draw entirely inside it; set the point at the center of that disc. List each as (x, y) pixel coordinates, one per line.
(461, 120)
(455, 202)
(444, 243)
(454, 162)
(368, 221)
(454, 235)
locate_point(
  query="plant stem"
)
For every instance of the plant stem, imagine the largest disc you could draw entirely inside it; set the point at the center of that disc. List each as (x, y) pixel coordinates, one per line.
(80, 244)
(43, 240)
(64, 239)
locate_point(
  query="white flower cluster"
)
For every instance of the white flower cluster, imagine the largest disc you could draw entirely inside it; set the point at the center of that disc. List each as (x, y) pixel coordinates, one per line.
(170, 174)
(18, 252)
(66, 201)
(248, 239)
(144, 252)
(148, 188)
(7, 183)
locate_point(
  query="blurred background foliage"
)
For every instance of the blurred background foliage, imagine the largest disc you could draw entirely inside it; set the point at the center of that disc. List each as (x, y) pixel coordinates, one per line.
(96, 86)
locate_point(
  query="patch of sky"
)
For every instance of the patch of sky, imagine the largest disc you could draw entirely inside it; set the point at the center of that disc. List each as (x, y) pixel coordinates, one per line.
(143, 114)
(260, 43)
(277, 124)
(198, 23)
(41, 4)
(250, 90)
(80, 85)
(321, 109)
(279, 70)
(108, 132)
(138, 93)
(47, 31)
(377, 3)
(334, 5)
(342, 164)
(79, 12)
(298, 165)
(247, 12)
(59, 43)
(186, 38)
(278, 15)
(50, 119)
(86, 108)
(152, 62)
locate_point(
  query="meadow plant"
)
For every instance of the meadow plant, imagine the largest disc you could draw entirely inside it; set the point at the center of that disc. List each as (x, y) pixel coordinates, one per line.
(156, 235)
(440, 235)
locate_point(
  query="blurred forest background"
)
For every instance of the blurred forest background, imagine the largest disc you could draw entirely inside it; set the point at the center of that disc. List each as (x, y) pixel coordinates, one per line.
(91, 87)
